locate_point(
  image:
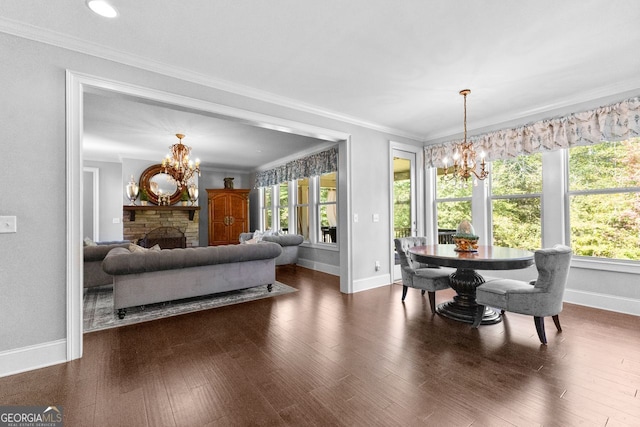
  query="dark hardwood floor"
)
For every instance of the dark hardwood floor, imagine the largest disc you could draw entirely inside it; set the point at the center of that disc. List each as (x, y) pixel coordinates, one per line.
(319, 357)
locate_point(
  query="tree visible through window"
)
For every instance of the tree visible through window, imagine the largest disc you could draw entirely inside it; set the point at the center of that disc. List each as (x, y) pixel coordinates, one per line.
(516, 190)
(604, 199)
(453, 201)
(327, 207)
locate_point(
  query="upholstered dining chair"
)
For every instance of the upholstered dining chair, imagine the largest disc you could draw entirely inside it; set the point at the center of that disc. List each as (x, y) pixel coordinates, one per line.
(539, 298)
(420, 276)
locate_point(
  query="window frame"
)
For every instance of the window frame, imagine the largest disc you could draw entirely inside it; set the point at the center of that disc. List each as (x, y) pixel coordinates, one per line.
(554, 206)
(616, 264)
(491, 197)
(314, 206)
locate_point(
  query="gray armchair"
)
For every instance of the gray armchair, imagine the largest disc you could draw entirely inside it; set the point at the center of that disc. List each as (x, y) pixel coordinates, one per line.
(420, 276)
(539, 298)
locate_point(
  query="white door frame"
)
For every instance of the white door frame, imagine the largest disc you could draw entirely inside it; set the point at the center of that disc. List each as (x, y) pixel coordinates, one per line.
(396, 149)
(77, 83)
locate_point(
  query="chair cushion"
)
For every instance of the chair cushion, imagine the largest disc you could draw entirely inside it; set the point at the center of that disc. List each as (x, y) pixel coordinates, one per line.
(431, 279)
(495, 293)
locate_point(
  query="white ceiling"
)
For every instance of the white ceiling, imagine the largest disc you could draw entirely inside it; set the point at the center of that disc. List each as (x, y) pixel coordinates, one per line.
(118, 127)
(389, 65)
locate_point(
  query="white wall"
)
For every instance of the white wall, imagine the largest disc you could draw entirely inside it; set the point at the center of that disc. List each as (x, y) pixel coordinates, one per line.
(110, 192)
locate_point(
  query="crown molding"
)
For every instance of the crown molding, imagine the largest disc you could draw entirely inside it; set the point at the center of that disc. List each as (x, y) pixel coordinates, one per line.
(583, 101)
(100, 51)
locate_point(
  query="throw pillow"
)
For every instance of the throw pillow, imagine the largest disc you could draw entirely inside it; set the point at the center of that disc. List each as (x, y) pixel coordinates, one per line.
(89, 242)
(137, 248)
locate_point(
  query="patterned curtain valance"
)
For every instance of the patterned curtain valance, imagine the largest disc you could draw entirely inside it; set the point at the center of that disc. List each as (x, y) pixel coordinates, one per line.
(313, 165)
(610, 123)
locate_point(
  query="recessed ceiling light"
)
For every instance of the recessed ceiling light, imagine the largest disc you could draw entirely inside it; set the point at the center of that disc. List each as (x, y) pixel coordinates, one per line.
(102, 8)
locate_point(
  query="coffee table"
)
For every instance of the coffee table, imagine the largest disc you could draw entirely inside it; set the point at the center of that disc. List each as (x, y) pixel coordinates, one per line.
(466, 279)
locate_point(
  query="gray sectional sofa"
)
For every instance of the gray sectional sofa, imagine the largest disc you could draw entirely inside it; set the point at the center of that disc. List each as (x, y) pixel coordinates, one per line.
(149, 277)
(288, 242)
(93, 274)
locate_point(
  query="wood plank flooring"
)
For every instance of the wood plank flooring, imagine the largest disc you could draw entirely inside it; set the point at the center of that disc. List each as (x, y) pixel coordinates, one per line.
(319, 357)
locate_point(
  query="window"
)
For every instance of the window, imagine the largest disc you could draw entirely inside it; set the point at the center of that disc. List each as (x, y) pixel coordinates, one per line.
(311, 207)
(327, 207)
(516, 191)
(453, 202)
(302, 207)
(267, 207)
(283, 207)
(604, 199)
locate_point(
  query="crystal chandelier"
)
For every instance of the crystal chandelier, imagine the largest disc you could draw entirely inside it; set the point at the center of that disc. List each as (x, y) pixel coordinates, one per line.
(464, 155)
(178, 165)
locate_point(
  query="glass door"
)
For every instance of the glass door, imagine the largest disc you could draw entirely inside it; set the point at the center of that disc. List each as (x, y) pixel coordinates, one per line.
(404, 201)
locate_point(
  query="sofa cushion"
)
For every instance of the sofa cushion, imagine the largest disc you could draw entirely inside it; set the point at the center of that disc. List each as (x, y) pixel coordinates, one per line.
(121, 261)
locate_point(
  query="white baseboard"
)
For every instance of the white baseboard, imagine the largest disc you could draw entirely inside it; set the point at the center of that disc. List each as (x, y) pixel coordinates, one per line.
(32, 357)
(318, 266)
(602, 301)
(371, 283)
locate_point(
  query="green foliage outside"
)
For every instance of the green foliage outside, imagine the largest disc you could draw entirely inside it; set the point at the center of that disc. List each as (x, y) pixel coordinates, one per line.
(283, 211)
(402, 207)
(517, 221)
(606, 224)
(451, 213)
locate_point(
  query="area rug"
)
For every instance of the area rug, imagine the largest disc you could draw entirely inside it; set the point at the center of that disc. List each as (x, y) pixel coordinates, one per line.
(99, 313)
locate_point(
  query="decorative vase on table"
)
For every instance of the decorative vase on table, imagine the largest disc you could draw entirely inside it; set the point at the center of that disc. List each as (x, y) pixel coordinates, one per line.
(465, 238)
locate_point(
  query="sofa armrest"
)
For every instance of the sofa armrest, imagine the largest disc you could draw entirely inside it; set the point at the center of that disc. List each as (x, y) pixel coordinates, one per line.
(285, 239)
(99, 251)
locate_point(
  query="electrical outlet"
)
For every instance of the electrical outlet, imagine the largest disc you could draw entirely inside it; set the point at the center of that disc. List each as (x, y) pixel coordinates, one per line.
(377, 265)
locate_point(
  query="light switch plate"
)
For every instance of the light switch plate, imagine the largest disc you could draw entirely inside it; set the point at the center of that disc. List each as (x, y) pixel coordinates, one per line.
(8, 224)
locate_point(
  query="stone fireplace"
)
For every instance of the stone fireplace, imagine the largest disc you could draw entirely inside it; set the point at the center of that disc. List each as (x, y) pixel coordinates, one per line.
(139, 221)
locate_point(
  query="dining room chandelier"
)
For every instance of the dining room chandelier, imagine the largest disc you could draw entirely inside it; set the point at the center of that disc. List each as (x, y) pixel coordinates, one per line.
(464, 156)
(178, 165)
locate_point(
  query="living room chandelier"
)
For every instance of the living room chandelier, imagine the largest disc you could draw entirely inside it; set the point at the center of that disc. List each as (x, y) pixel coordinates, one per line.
(178, 165)
(464, 155)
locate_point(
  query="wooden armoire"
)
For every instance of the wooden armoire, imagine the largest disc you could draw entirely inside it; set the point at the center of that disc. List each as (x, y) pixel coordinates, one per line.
(228, 215)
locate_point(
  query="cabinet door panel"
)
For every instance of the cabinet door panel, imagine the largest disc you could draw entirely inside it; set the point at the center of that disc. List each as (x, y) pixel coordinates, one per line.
(228, 215)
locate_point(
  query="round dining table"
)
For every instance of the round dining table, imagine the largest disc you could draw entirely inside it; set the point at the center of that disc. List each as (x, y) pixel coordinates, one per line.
(466, 279)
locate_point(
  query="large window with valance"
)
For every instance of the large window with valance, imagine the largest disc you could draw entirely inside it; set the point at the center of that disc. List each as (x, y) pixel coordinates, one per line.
(305, 195)
(600, 181)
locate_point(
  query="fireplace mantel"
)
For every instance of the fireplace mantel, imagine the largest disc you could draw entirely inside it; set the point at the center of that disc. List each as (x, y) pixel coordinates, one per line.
(191, 210)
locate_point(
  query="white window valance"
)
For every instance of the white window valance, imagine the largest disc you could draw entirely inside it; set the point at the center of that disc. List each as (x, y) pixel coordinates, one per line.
(306, 167)
(609, 123)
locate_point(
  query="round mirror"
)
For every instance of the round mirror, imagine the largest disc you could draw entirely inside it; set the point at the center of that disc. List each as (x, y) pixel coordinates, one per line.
(161, 184)
(156, 182)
